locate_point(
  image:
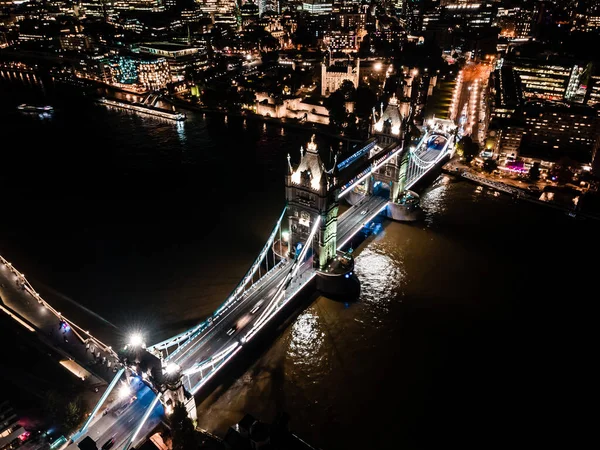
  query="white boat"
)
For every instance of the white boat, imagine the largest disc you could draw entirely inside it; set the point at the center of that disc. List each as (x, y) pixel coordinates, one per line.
(37, 109)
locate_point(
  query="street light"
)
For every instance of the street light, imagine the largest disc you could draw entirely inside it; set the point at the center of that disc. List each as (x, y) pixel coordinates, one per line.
(285, 236)
(171, 368)
(124, 392)
(136, 340)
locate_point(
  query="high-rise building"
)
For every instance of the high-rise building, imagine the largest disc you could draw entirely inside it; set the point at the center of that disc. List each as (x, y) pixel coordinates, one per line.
(541, 79)
(317, 7)
(139, 5)
(553, 131)
(266, 6)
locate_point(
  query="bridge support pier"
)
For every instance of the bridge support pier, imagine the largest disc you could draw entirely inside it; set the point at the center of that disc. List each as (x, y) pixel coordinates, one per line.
(404, 205)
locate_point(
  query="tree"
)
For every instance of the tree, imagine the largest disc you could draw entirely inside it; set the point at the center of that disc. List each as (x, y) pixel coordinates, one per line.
(561, 171)
(67, 413)
(489, 165)
(336, 105)
(534, 172)
(467, 148)
(347, 89)
(365, 101)
(182, 428)
(73, 414)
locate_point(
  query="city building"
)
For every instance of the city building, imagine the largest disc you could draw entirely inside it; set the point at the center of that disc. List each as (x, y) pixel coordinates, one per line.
(505, 93)
(342, 41)
(153, 73)
(554, 130)
(11, 433)
(336, 71)
(249, 14)
(594, 91)
(541, 79)
(139, 5)
(268, 6)
(74, 41)
(308, 109)
(317, 7)
(179, 57)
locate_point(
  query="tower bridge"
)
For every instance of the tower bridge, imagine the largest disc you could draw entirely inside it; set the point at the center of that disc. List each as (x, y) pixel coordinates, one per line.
(306, 243)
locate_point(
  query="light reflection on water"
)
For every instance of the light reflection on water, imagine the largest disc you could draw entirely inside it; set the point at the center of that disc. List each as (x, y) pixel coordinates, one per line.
(381, 274)
(435, 203)
(305, 351)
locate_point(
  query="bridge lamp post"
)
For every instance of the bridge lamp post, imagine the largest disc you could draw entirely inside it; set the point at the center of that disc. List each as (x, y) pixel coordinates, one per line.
(285, 236)
(136, 340)
(124, 392)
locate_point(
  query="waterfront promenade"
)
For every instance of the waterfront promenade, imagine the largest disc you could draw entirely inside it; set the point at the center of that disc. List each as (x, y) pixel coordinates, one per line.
(78, 348)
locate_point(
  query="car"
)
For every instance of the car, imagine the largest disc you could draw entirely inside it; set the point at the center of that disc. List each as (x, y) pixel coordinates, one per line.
(232, 330)
(108, 444)
(363, 212)
(256, 307)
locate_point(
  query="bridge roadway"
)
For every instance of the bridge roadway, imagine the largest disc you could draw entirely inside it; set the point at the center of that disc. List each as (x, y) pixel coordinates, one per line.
(216, 339)
(230, 326)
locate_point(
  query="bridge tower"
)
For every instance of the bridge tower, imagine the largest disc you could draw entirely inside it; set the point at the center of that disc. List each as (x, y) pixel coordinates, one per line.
(163, 378)
(388, 129)
(308, 195)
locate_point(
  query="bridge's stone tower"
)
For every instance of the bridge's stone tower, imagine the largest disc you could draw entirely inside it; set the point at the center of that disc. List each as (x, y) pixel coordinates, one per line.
(388, 125)
(309, 194)
(389, 129)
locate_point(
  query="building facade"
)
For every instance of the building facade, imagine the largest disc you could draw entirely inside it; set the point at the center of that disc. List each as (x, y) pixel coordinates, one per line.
(334, 73)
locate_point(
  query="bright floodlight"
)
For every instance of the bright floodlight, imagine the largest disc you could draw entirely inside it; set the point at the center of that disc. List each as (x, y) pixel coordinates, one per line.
(171, 368)
(124, 392)
(285, 235)
(136, 340)
(377, 66)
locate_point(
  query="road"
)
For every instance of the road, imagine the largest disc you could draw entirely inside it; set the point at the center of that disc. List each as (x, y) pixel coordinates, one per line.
(216, 338)
(123, 426)
(228, 329)
(469, 104)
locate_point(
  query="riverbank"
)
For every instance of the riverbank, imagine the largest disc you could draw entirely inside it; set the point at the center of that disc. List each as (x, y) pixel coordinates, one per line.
(516, 189)
(283, 122)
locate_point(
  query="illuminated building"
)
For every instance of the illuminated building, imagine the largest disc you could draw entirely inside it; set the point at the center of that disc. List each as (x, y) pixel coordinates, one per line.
(153, 74)
(506, 93)
(556, 130)
(74, 41)
(344, 41)
(249, 13)
(543, 80)
(179, 57)
(578, 83)
(594, 91)
(336, 72)
(11, 433)
(265, 6)
(317, 7)
(139, 5)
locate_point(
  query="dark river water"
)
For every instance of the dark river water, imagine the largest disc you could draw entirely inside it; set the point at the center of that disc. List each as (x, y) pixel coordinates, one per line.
(471, 326)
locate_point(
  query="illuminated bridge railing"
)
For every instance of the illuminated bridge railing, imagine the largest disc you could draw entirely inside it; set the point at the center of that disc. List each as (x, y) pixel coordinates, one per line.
(417, 166)
(367, 148)
(236, 294)
(286, 291)
(365, 173)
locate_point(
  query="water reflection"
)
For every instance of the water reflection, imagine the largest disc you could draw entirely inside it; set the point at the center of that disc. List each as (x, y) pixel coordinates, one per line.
(380, 270)
(306, 340)
(181, 131)
(435, 203)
